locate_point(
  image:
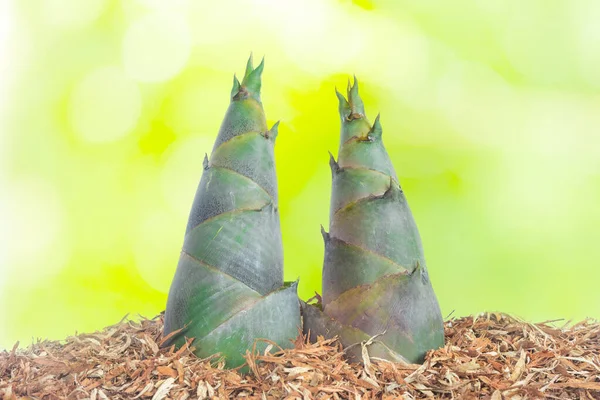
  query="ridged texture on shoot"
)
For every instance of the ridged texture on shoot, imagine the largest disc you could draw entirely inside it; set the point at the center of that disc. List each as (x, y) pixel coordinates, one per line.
(375, 281)
(228, 289)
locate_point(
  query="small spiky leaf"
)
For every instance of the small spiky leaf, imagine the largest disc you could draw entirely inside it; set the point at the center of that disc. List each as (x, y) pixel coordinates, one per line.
(375, 281)
(228, 289)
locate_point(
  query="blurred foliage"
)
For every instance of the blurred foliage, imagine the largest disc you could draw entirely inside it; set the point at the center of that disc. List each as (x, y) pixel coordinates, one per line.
(489, 111)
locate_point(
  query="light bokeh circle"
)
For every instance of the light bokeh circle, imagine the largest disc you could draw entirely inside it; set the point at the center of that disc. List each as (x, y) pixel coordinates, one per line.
(37, 241)
(156, 248)
(165, 5)
(182, 172)
(70, 14)
(156, 47)
(104, 106)
(329, 44)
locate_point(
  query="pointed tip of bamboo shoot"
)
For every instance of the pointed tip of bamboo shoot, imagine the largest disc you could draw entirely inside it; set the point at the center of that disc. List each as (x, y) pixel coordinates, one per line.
(394, 191)
(356, 103)
(335, 167)
(326, 236)
(259, 70)
(343, 106)
(421, 269)
(236, 86)
(376, 131)
(249, 66)
(352, 108)
(251, 83)
(273, 132)
(262, 64)
(205, 162)
(294, 284)
(269, 207)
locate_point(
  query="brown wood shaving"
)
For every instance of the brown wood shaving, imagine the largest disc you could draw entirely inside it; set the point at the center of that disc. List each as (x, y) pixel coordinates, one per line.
(491, 356)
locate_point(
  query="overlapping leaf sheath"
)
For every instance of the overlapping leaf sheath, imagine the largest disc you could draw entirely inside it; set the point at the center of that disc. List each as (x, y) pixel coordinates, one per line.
(228, 289)
(375, 282)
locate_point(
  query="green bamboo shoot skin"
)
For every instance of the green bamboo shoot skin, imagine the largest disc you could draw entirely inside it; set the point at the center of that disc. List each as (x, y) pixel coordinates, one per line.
(228, 288)
(375, 280)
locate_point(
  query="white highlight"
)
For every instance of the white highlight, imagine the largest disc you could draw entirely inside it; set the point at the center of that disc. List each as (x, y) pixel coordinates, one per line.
(156, 47)
(316, 35)
(586, 17)
(6, 14)
(37, 244)
(182, 171)
(156, 249)
(105, 106)
(69, 14)
(161, 4)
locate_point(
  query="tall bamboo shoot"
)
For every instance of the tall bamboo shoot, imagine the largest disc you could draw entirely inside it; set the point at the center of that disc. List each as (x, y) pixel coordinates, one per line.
(228, 288)
(376, 288)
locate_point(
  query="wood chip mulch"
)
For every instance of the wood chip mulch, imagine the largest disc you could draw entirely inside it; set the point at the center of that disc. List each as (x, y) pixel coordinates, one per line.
(491, 356)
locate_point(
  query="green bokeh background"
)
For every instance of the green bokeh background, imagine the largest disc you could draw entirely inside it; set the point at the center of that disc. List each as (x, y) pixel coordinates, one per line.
(490, 111)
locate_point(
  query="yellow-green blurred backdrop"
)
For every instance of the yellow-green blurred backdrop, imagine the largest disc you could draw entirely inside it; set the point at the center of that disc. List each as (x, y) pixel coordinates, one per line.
(490, 111)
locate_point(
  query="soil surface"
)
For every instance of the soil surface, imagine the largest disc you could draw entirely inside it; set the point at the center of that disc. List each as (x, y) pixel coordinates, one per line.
(491, 356)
